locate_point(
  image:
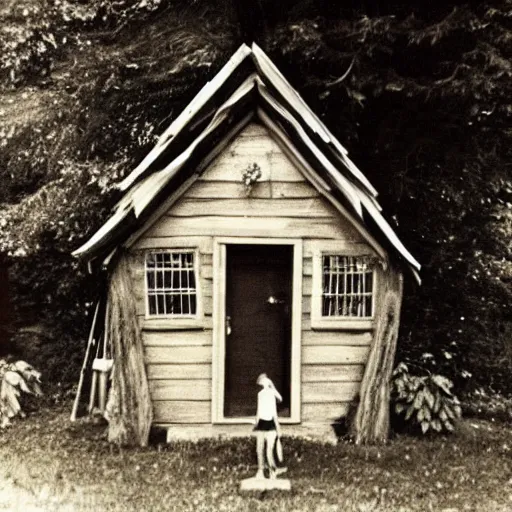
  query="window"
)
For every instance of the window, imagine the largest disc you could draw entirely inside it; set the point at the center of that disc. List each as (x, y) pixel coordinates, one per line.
(347, 287)
(171, 281)
(344, 285)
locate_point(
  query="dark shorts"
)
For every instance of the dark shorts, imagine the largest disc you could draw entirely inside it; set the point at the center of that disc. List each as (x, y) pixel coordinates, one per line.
(265, 425)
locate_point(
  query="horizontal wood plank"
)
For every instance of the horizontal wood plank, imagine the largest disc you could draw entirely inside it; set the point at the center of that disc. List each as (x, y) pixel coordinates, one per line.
(203, 243)
(182, 411)
(327, 412)
(207, 271)
(175, 324)
(345, 338)
(324, 392)
(180, 389)
(334, 354)
(307, 285)
(352, 245)
(175, 355)
(251, 207)
(177, 338)
(306, 305)
(232, 163)
(228, 189)
(179, 371)
(307, 267)
(249, 226)
(332, 373)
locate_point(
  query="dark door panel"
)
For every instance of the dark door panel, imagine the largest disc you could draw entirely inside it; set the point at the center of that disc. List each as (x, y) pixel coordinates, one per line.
(258, 340)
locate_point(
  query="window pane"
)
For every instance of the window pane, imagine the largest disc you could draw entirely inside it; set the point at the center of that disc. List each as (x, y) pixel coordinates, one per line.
(150, 279)
(160, 304)
(152, 305)
(168, 279)
(159, 279)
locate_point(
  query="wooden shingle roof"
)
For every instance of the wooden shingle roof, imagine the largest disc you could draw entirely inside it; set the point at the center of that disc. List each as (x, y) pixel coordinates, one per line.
(248, 86)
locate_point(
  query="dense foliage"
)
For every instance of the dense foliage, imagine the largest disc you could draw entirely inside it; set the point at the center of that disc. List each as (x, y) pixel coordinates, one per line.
(16, 378)
(419, 95)
(424, 401)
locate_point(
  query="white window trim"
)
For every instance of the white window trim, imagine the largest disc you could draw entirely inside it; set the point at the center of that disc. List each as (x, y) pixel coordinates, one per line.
(170, 321)
(219, 327)
(329, 248)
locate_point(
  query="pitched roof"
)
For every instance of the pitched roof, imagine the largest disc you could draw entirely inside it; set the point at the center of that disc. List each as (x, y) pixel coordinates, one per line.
(248, 85)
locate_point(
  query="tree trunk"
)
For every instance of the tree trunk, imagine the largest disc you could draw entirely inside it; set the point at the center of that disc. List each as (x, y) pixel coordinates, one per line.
(129, 408)
(371, 421)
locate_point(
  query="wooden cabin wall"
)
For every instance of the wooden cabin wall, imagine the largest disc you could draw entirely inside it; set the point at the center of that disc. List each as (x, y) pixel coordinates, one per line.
(282, 205)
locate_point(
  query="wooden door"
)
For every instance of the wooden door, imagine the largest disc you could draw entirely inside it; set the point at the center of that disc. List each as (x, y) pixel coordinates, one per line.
(258, 324)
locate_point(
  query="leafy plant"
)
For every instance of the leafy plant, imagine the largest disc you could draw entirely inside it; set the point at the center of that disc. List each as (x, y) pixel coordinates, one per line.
(16, 378)
(425, 401)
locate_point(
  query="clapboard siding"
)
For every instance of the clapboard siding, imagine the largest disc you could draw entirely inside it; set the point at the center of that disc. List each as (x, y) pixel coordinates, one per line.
(181, 411)
(177, 324)
(274, 165)
(343, 244)
(229, 189)
(307, 266)
(282, 204)
(346, 338)
(177, 338)
(179, 371)
(307, 285)
(252, 207)
(203, 243)
(324, 392)
(283, 227)
(233, 172)
(332, 373)
(334, 354)
(306, 305)
(207, 271)
(184, 389)
(326, 412)
(185, 355)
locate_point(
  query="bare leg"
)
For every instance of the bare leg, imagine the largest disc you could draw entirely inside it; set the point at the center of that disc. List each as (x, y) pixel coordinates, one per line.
(260, 447)
(271, 436)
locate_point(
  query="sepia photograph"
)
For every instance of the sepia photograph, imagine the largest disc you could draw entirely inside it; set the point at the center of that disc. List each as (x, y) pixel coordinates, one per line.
(255, 256)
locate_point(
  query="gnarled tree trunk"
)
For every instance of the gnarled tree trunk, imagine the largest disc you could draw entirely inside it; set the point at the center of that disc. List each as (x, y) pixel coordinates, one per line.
(129, 408)
(371, 421)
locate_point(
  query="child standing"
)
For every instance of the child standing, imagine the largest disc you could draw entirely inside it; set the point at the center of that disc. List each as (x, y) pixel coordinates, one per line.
(267, 425)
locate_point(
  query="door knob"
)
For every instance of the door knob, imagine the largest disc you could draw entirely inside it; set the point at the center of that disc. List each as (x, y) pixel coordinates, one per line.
(274, 300)
(228, 325)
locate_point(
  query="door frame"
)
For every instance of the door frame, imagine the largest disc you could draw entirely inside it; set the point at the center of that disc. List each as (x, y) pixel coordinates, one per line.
(219, 323)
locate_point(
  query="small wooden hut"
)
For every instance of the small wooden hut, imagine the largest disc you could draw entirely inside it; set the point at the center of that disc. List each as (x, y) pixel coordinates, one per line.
(246, 242)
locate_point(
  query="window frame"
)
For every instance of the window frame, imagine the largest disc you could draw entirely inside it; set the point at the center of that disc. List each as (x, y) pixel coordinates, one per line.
(177, 319)
(318, 321)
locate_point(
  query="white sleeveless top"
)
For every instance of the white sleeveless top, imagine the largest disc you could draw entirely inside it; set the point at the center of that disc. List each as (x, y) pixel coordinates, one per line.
(267, 408)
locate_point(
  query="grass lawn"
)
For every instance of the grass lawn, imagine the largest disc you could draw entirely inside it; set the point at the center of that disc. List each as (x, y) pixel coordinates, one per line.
(50, 464)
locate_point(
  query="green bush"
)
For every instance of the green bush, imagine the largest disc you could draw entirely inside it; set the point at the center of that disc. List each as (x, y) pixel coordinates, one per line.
(424, 401)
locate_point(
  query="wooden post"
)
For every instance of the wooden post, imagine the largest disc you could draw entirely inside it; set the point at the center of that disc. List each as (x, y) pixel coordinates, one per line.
(90, 342)
(371, 421)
